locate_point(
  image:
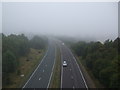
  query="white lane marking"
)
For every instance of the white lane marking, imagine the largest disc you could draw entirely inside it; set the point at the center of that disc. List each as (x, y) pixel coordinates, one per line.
(40, 78)
(70, 69)
(43, 70)
(61, 67)
(71, 77)
(52, 69)
(79, 69)
(73, 87)
(36, 68)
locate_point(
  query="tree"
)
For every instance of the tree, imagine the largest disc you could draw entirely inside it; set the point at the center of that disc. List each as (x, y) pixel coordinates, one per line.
(9, 65)
(103, 60)
(37, 42)
(9, 62)
(13, 47)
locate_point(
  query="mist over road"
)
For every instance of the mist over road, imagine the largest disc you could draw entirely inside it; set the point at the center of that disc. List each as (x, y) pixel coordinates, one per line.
(42, 74)
(71, 76)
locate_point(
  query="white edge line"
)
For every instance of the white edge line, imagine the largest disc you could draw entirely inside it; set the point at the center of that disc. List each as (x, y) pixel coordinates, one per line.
(52, 69)
(36, 69)
(61, 67)
(79, 70)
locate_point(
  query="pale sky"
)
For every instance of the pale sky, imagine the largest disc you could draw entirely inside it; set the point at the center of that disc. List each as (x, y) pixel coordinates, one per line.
(77, 19)
(60, 0)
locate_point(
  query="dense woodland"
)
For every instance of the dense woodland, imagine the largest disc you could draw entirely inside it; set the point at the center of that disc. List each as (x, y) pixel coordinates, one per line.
(102, 59)
(15, 46)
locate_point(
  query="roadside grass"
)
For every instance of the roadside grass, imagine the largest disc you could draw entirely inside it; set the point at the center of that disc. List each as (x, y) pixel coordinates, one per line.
(56, 77)
(92, 82)
(96, 82)
(27, 65)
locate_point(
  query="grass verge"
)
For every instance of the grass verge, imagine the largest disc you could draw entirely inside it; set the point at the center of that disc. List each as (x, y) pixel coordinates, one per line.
(91, 81)
(27, 65)
(94, 80)
(55, 81)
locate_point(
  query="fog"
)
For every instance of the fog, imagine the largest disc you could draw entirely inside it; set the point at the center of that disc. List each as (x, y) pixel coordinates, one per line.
(90, 20)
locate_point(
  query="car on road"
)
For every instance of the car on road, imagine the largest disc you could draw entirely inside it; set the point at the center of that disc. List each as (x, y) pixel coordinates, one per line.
(64, 63)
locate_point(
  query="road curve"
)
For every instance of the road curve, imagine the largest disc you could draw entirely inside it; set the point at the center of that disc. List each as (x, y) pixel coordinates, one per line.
(41, 77)
(71, 76)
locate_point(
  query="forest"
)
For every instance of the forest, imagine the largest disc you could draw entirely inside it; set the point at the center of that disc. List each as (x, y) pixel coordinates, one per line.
(102, 59)
(15, 46)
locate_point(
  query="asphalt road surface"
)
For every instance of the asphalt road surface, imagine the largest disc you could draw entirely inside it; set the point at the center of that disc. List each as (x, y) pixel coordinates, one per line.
(71, 76)
(42, 75)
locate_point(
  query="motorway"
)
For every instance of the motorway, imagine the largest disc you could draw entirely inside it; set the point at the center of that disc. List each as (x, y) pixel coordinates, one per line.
(71, 76)
(41, 77)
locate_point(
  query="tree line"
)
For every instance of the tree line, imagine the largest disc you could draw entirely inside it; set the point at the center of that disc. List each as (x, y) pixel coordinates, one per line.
(15, 46)
(102, 59)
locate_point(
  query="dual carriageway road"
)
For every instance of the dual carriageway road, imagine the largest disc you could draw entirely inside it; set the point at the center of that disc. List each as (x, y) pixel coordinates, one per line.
(71, 76)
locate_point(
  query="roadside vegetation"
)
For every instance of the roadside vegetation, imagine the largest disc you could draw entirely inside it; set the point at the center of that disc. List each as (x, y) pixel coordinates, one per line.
(90, 80)
(20, 56)
(101, 59)
(56, 77)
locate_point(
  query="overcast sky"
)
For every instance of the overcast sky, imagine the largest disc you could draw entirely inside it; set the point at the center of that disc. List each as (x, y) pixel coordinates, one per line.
(84, 20)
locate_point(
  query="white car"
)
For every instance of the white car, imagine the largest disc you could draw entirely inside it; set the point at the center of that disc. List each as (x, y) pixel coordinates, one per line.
(64, 64)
